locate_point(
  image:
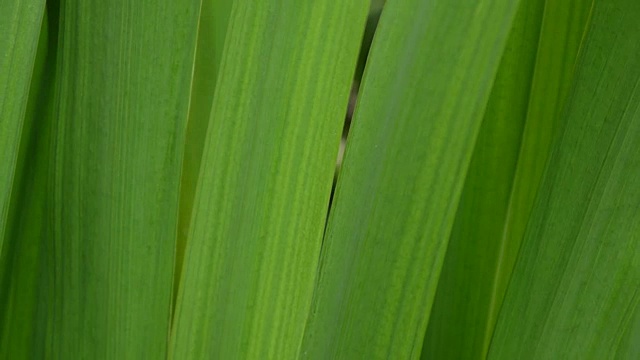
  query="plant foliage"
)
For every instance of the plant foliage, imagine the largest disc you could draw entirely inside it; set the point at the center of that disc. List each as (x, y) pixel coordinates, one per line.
(166, 174)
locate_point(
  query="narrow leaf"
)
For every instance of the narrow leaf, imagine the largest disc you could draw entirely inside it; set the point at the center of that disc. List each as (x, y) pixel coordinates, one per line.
(21, 258)
(535, 73)
(574, 291)
(212, 29)
(426, 86)
(121, 103)
(265, 178)
(20, 28)
(563, 29)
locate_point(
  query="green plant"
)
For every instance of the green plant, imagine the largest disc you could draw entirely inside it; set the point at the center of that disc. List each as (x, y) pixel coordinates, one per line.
(166, 173)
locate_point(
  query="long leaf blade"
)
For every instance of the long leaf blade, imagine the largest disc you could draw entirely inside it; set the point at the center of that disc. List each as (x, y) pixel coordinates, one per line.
(426, 86)
(460, 322)
(20, 28)
(121, 102)
(574, 291)
(21, 258)
(563, 29)
(504, 175)
(266, 176)
(212, 29)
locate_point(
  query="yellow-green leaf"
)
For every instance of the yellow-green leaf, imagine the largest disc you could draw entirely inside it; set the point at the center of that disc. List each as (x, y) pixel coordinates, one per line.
(265, 179)
(426, 86)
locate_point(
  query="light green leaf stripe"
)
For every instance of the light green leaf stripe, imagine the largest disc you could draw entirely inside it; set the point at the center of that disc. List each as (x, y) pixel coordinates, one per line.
(19, 28)
(497, 198)
(425, 90)
(574, 291)
(461, 325)
(267, 168)
(121, 105)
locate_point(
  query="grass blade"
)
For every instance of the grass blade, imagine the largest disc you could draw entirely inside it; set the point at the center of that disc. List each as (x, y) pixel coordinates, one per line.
(20, 27)
(426, 86)
(265, 181)
(212, 29)
(574, 290)
(121, 103)
(563, 29)
(497, 198)
(21, 258)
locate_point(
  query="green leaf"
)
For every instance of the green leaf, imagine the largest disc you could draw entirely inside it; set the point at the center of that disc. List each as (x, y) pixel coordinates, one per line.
(425, 89)
(20, 26)
(497, 198)
(264, 186)
(120, 110)
(212, 29)
(563, 29)
(460, 326)
(21, 258)
(574, 290)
